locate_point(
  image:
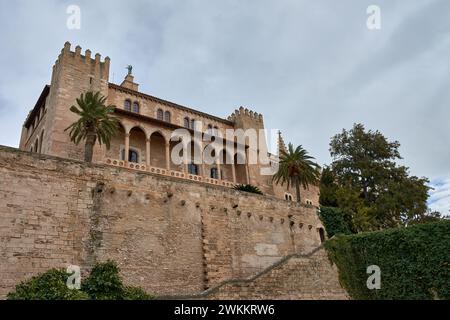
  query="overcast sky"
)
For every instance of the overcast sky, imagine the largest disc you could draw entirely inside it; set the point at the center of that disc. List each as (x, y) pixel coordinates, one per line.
(311, 67)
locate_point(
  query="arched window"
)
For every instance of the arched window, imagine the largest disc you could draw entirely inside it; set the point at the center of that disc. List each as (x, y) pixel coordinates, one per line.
(322, 235)
(192, 124)
(36, 145)
(136, 107)
(133, 156)
(160, 115)
(167, 116)
(187, 122)
(210, 127)
(127, 105)
(193, 169)
(41, 139)
(214, 173)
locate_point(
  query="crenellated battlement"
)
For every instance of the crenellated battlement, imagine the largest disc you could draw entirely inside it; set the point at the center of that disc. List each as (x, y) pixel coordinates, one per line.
(95, 66)
(245, 112)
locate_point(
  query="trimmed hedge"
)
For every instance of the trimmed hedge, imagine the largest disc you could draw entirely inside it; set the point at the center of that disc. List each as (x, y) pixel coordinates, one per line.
(414, 262)
(334, 221)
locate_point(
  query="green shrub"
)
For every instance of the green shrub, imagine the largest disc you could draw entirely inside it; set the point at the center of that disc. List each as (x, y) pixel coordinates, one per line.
(133, 293)
(51, 285)
(248, 188)
(103, 283)
(334, 221)
(414, 262)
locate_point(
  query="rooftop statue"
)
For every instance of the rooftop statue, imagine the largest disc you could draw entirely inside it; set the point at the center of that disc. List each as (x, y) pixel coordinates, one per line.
(130, 69)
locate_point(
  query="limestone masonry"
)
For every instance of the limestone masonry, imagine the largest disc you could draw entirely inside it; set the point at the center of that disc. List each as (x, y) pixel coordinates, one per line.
(143, 142)
(178, 231)
(170, 236)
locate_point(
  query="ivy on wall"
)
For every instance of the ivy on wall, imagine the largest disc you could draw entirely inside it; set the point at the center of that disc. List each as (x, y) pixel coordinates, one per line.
(414, 262)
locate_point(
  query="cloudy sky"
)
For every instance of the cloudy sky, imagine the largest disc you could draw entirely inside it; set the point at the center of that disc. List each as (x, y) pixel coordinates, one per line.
(311, 67)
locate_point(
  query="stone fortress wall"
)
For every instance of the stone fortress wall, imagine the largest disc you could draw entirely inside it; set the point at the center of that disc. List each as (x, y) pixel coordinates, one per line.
(172, 232)
(169, 236)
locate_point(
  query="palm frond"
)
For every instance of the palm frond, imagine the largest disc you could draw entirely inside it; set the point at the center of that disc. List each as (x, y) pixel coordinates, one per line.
(94, 117)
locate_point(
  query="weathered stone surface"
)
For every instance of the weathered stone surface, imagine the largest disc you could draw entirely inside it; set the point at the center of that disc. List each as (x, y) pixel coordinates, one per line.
(55, 212)
(297, 277)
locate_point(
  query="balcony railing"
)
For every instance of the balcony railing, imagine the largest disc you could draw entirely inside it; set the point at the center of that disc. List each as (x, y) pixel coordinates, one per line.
(167, 173)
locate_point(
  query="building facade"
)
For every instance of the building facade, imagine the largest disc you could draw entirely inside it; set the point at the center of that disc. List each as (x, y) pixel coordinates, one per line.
(143, 142)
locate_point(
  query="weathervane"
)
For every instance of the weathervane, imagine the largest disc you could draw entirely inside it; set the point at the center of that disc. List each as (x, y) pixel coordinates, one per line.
(130, 69)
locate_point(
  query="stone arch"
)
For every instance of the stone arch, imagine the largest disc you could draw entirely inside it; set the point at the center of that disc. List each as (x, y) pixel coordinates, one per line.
(241, 168)
(138, 139)
(210, 162)
(175, 166)
(36, 145)
(226, 165)
(138, 125)
(158, 149)
(161, 132)
(41, 139)
(195, 160)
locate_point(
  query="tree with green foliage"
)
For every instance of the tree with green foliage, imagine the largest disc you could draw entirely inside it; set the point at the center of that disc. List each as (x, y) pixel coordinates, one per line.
(328, 188)
(369, 185)
(297, 169)
(95, 122)
(429, 217)
(335, 221)
(104, 282)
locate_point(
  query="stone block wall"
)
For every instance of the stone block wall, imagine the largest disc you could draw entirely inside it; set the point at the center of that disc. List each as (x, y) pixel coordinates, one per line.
(296, 277)
(169, 236)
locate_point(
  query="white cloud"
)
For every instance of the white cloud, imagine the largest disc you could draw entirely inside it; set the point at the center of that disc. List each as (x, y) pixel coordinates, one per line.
(440, 196)
(311, 67)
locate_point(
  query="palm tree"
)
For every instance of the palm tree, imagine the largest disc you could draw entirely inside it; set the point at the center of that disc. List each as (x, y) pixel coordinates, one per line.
(297, 169)
(95, 122)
